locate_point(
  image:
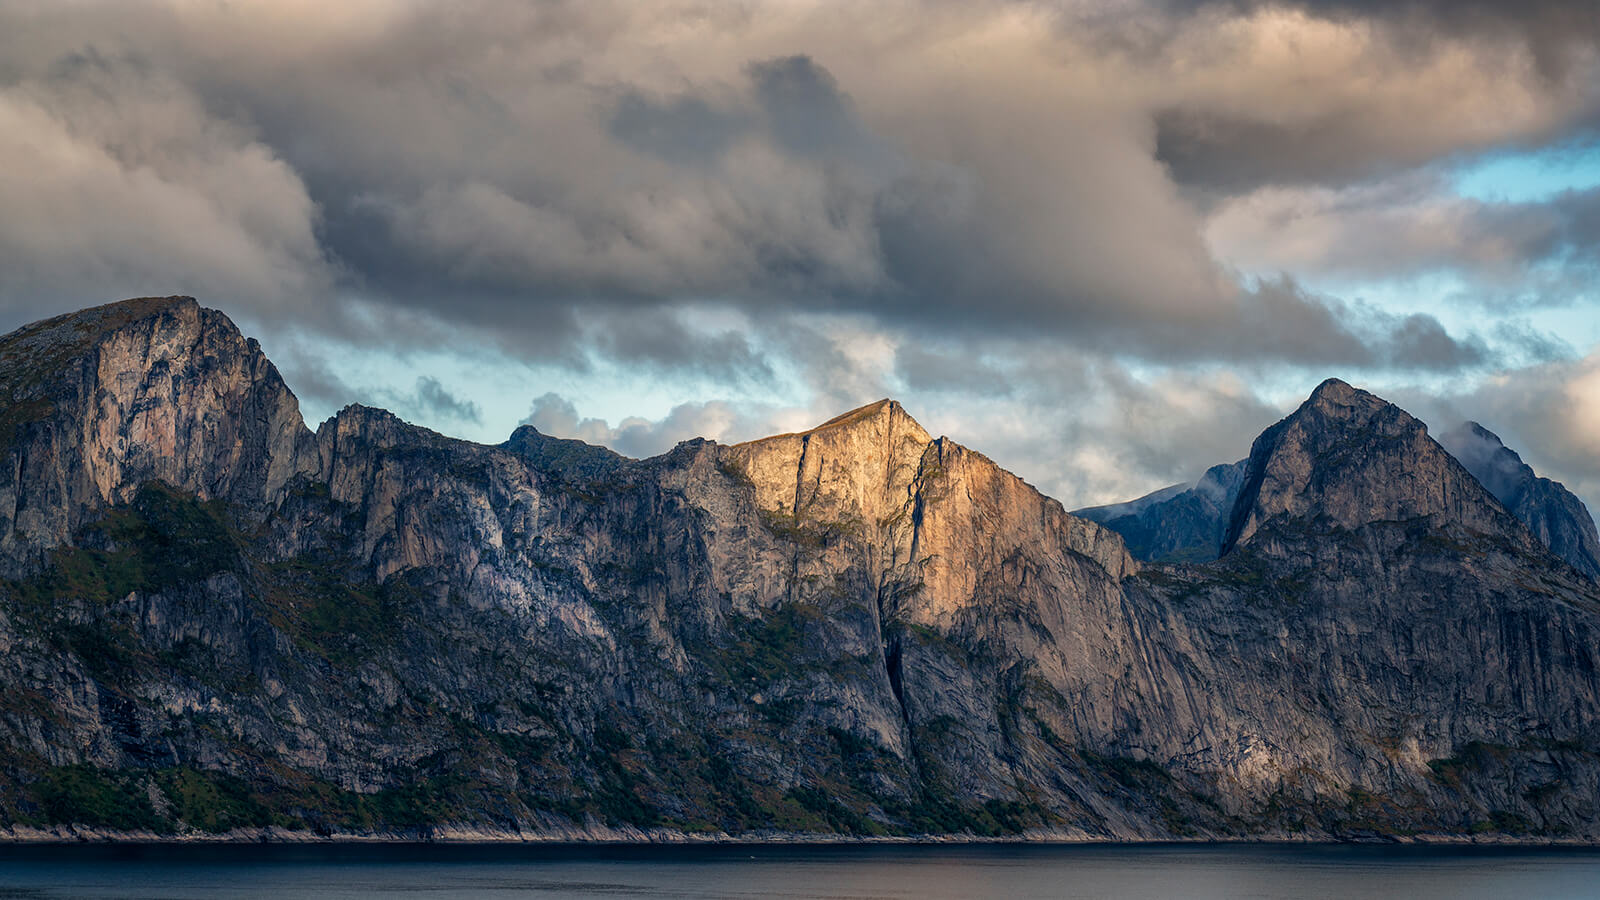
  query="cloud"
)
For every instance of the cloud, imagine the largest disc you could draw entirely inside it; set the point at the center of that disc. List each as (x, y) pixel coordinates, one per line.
(530, 175)
(1320, 92)
(1553, 31)
(668, 342)
(434, 401)
(638, 437)
(119, 182)
(685, 130)
(1092, 432)
(810, 117)
(1085, 239)
(1412, 225)
(321, 389)
(1085, 427)
(923, 368)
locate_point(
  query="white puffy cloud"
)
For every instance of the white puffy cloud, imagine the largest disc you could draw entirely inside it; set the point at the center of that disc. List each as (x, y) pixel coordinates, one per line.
(636, 436)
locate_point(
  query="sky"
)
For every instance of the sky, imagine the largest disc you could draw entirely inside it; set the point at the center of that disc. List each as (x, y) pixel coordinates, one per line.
(1104, 243)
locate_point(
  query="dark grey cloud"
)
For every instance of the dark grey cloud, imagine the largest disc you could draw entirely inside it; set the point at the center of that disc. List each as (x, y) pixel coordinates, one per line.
(682, 130)
(808, 113)
(927, 369)
(434, 402)
(1231, 151)
(1418, 341)
(663, 342)
(1276, 320)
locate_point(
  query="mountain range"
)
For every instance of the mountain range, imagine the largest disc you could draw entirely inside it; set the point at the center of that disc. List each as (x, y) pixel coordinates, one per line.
(217, 621)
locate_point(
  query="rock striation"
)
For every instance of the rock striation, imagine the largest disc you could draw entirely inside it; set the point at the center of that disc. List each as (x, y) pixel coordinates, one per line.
(214, 619)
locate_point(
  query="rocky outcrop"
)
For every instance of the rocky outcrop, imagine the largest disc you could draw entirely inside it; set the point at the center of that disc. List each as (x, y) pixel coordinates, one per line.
(1554, 514)
(216, 619)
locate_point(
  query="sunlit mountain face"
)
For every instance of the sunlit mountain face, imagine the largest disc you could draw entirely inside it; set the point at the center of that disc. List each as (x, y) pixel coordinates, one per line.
(1107, 243)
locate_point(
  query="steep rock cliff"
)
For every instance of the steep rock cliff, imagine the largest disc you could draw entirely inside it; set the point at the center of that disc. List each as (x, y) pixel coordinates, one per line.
(99, 402)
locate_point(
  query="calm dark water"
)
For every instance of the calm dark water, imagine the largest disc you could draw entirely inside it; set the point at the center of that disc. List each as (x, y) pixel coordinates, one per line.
(838, 873)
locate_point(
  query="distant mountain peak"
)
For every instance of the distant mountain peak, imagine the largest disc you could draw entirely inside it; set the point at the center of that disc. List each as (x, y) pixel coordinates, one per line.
(1179, 523)
(1336, 399)
(1346, 458)
(1554, 514)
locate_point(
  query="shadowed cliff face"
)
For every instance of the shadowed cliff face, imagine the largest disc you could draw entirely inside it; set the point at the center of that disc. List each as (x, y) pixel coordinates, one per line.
(217, 619)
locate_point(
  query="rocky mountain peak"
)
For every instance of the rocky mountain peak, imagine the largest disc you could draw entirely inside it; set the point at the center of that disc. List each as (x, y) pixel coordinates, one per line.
(856, 465)
(47, 346)
(884, 409)
(1346, 458)
(102, 401)
(569, 457)
(883, 414)
(1335, 394)
(82, 328)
